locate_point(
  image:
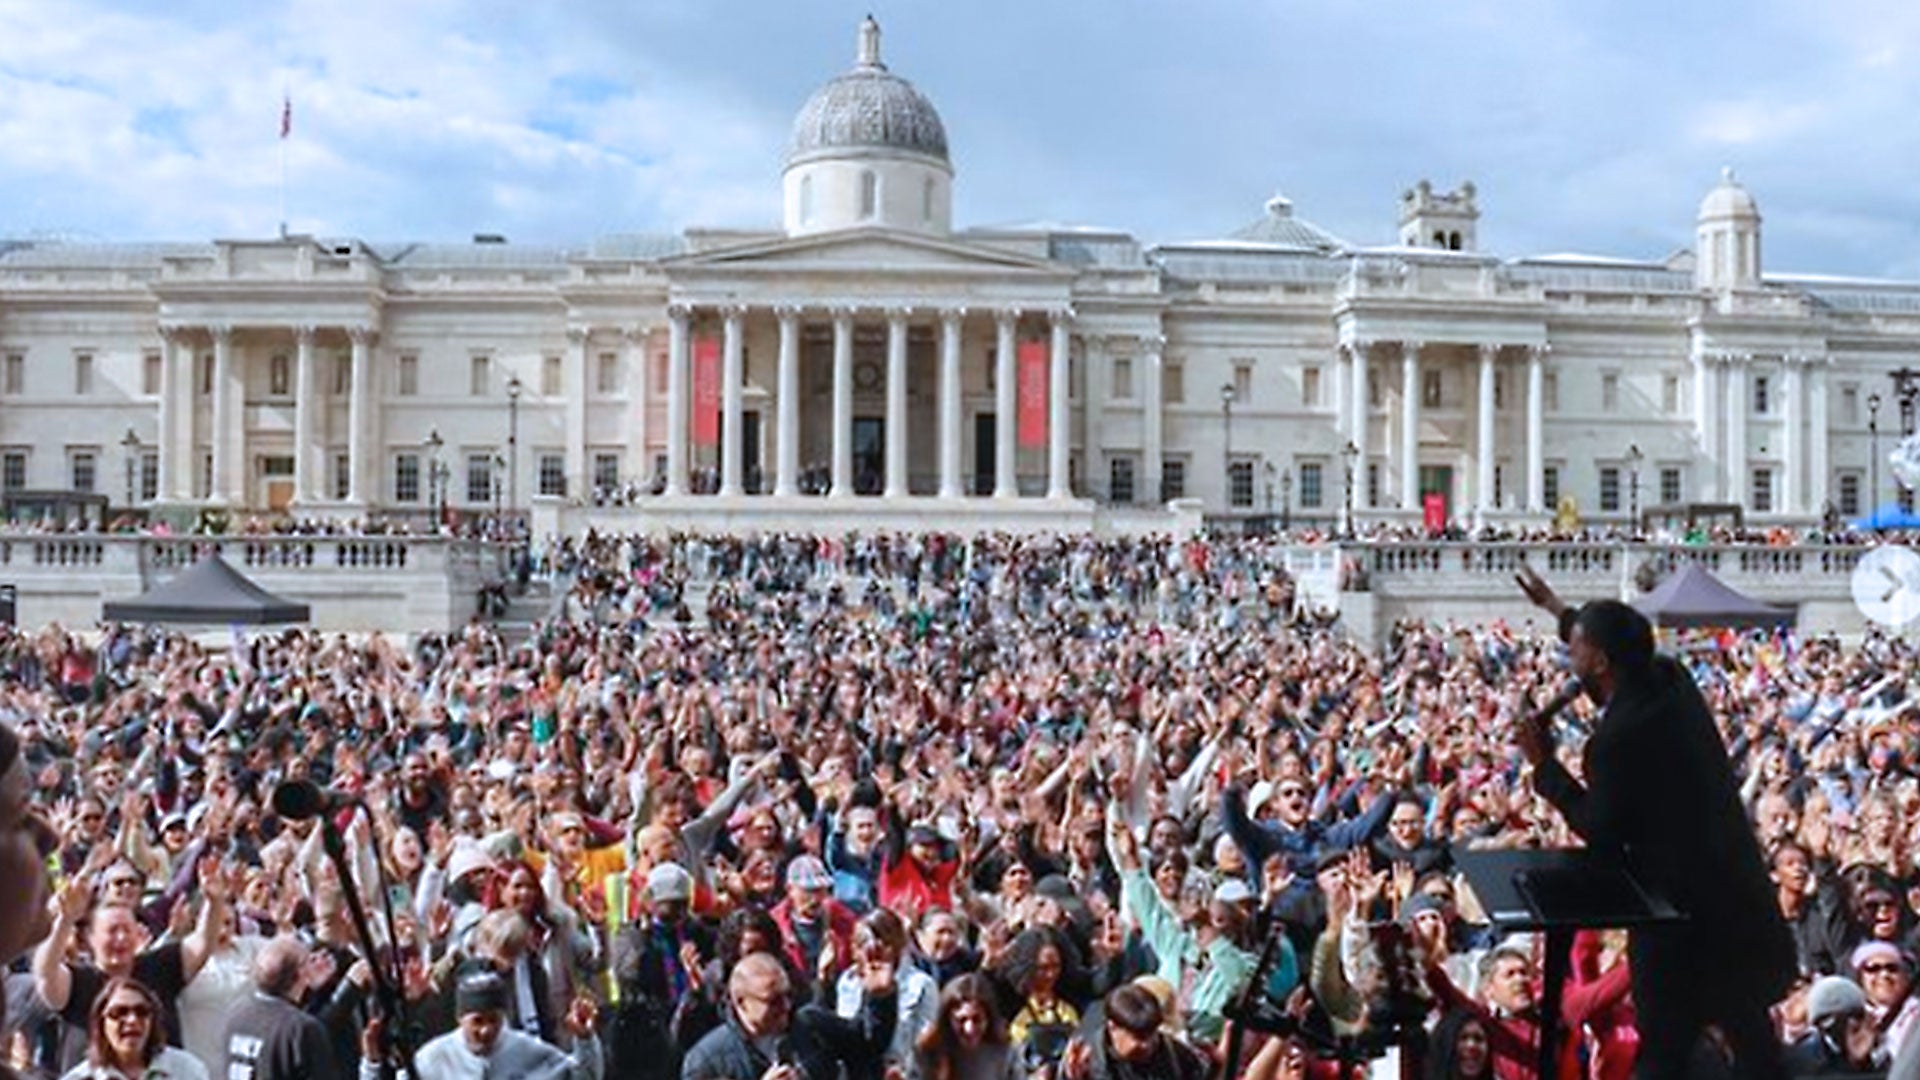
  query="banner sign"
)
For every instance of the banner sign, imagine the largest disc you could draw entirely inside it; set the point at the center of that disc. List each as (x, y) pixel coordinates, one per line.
(705, 419)
(1434, 505)
(1032, 357)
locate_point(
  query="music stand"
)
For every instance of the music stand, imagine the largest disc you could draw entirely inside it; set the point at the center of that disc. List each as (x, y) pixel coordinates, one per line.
(1557, 892)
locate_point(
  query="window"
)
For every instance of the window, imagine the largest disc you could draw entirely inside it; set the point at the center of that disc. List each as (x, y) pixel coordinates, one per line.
(806, 199)
(409, 376)
(1123, 378)
(553, 474)
(479, 375)
(606, 375)
(13, 470)
(1670, 394)
(1120, 480)
(660, 374)
(1373, 389)
(342, 374)
(1549, 391)
(1242, 382)
(1173, 479)
(1550, 486)
(1373, 483)
(550, 376)
(1173, 382)
(81, 469)
(1761, 395)
(1762, 490)
(1430, 389)
(206, 474)
(869, 193)
(149, 489)
(342, 475)
(1499, 485)
(1074, 376)
(1672, 490)
(1240, 483)
(992, 368)
(606, 471)
(480, 478)
(1610, 489)
(1849, 493)
(83, 380)
(279, 376)
(1310, 387)
(1610, 391)
(1850, 403)
(1904, 497)
(1312, 484)
(406, 478)
(16, 373)
(150, 374)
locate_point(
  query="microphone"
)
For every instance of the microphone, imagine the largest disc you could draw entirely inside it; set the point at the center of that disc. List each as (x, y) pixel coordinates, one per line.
(1568, 694)
(298, 800)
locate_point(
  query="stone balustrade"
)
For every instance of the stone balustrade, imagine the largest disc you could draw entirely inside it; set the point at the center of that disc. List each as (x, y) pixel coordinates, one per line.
(395, 584)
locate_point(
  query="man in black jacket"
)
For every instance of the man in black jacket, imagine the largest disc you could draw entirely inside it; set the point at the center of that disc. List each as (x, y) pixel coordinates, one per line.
(763, 1039)
(271, 1037)
(1659, 790)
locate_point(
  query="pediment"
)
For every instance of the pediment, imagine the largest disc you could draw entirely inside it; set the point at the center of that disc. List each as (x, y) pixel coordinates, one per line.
(866, 250)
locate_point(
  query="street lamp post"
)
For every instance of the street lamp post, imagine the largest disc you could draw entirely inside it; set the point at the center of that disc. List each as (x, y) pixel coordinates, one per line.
(1350, 455)
(1269, 470)
(1286, 500)
(436, 477)
(1227, 396)
(513, 444)
(1873, 460)
(498, 465)
(130, 445)
(1633, 488)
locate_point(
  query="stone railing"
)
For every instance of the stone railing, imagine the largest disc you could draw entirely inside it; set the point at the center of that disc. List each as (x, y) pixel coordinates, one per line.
(396, 584)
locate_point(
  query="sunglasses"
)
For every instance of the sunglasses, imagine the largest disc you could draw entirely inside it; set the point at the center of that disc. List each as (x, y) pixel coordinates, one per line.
(118, 1013)
(1885, 967)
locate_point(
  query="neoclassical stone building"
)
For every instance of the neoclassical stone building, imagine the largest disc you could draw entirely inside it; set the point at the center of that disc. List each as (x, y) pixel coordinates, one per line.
(867, 362)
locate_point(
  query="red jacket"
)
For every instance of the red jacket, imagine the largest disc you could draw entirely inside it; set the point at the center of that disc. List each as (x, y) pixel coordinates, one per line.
(840, 923)
(910, 891)
(1596, 1007)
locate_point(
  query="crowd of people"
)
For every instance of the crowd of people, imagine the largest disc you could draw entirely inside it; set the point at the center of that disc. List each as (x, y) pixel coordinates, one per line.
(897, 806)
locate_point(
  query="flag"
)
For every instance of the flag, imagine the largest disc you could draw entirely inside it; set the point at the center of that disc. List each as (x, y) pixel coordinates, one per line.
(1031, 361)
(286, 115)
(706, 391)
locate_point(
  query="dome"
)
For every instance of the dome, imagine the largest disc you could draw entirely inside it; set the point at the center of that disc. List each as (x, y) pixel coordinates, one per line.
(1728, 200)
(867, 108)
(1279, 228)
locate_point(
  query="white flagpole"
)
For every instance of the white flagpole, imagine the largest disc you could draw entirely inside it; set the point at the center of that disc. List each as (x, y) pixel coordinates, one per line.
(286, 129)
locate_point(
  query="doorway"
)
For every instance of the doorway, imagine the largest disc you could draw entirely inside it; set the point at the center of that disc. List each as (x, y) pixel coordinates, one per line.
(1437, 480)
(869, 454)
(984, 448)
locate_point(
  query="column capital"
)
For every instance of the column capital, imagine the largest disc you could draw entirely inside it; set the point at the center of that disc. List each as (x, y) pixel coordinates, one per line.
(363, 336)
(1537, 353)
(577, 334)
(788, 313)
(1153, 343)
(1410, 349)
(304, 334)
(733, 311)
(636, 332)
(221, 333)
(843, 314)
(899, 315)
(174, 334)
(1357, 347)
(1489, 352)
(1060, 314)
(1006, 316)
(953, 314)
(680, 310)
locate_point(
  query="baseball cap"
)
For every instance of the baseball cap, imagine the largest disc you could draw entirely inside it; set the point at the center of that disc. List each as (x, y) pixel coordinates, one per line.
(1832, 997)
(808, 872)
(480, 991)
(669, 881)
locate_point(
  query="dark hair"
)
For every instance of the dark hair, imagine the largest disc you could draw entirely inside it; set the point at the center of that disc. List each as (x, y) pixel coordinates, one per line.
(1622, 633)
(1443, 1054)
(97, 1022)
(938, 1044)
(1135, 1009)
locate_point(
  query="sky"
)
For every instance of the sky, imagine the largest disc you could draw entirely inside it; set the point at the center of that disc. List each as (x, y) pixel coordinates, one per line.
(1591, 127)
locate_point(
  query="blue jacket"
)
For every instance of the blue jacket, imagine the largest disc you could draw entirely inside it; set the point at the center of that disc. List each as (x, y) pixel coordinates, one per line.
(1259, 840)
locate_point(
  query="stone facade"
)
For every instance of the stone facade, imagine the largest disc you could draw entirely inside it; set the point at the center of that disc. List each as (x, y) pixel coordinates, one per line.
(867, 350)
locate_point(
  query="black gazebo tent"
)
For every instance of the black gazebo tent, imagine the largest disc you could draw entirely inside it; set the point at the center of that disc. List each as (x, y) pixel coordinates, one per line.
(208, 593)
(1691, 596)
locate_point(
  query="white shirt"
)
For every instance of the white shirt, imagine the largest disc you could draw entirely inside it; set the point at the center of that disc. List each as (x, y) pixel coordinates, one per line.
(206, 1003)
(168, 1064)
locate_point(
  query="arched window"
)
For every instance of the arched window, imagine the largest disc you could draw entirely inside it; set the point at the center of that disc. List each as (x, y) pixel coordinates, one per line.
(806, 199)
(1453, 241)
(1440, 240)
(869, 193)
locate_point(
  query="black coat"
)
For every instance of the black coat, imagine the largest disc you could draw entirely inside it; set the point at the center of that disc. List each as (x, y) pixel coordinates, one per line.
(817, 1042)
(1660, 789)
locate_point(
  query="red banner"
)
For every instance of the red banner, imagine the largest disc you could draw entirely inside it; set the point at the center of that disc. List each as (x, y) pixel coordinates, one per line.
(1435, 506)
(705, 420)
(1032, 356)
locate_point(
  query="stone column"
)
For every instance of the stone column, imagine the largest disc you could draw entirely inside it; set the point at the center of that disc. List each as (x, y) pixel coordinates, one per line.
(1096, 387)
(1006, 406)
(579, 475)
(1483, 495)
(225, 489)
(732, 376)
(1357, 400)
(176, 413)
(359, 423)
(951, 484)
(1151, 420)
(1706, 420)
(897, 403)
(1059, 382)
(679, 346)
(634, 339)
(1536, 430)
(303, 415)
(842, 404)
(1793, 446)
(1736, 406)
(1410, 425)
(787, 439)
(1817, 475)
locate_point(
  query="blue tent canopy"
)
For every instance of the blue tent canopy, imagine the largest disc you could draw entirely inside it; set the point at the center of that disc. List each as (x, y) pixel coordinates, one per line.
(1888, 516)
